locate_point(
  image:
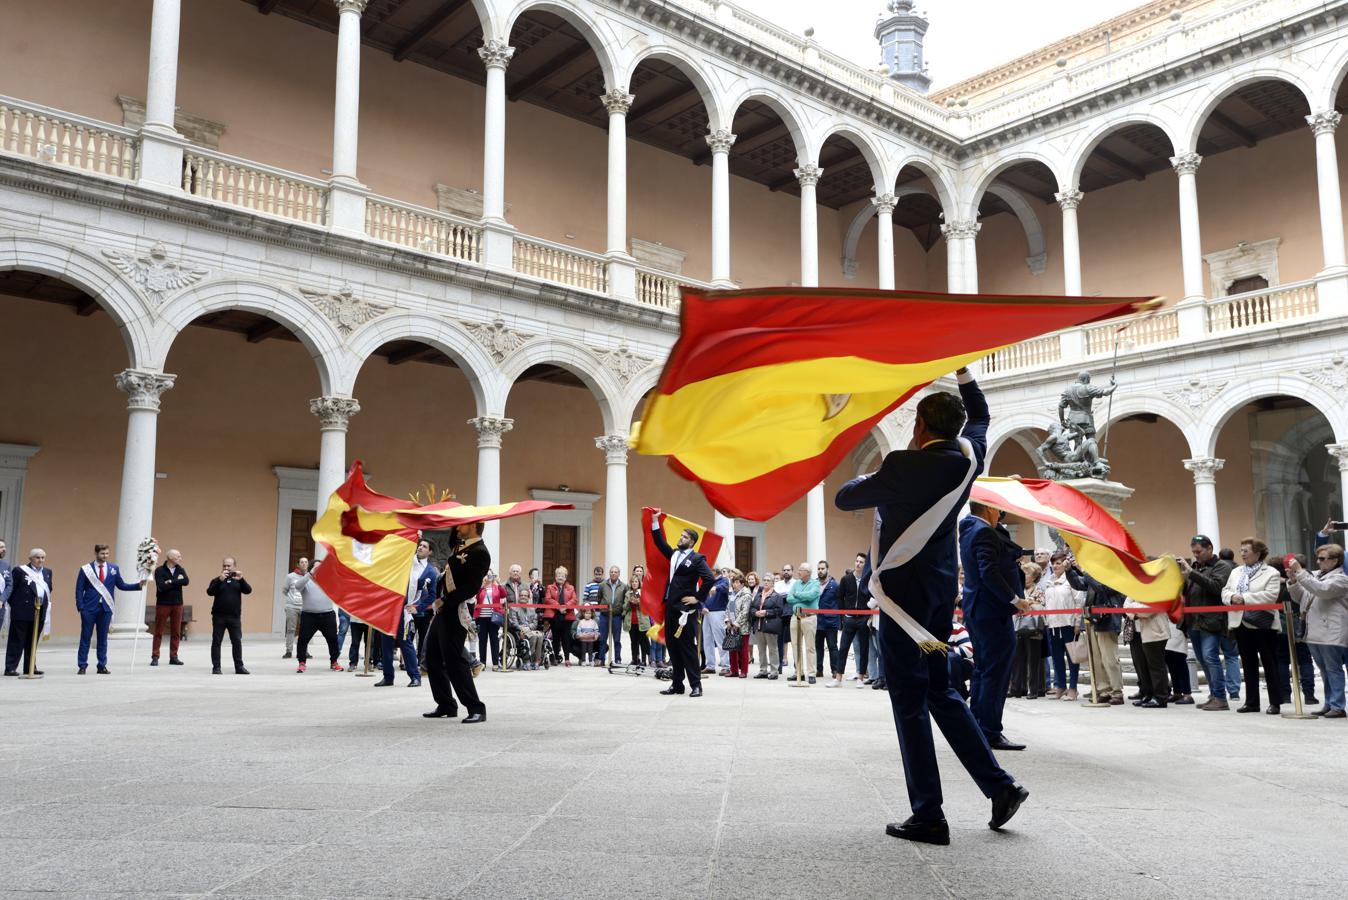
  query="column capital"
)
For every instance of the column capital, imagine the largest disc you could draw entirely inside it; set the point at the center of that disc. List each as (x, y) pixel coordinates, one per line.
(490, 429)
(143, 387)
(1339, 452)
(355, 6)
(885, 204)
(617, 102)
(1069, 199)
(334, 412)
(614, 447)
(496, 53)
(721, 140)
(961, 229)
(1324, 122)
(1185, 163)
(1205, 468)
(808, 174)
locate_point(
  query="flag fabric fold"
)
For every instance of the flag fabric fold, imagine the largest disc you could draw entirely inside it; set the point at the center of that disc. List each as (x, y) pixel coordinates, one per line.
(371, 538)
(1103, 547)
(767, 390)
(657, 566)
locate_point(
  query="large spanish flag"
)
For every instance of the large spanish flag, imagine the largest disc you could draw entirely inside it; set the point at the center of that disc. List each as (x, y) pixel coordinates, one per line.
(1104, 548)
(371, 538)
(767, 390)
(657, 566)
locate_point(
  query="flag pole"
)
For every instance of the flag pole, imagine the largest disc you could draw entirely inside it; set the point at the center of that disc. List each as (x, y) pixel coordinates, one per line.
(1109, 410)
(369, 634)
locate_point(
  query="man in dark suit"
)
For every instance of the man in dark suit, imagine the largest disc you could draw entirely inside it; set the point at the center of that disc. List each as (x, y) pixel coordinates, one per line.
(29, 599)
(690, 580)
(922, 581)
(449, 672)
(993, 590)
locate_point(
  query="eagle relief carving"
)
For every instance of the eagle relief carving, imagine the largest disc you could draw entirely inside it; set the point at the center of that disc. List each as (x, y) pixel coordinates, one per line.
(346, 311)
(156, 274)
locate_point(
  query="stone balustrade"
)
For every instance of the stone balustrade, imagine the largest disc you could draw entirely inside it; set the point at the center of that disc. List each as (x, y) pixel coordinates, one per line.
(36, 132)
(254, 187)
(423, 229)
(1272, 305)
(1140, 331)
(563, 265)
(661, 289)
(1025, 355)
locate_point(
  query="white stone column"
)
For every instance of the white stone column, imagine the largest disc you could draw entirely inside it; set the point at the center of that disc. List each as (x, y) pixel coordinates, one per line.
(1340, 452)
(808, 175)
(720, 142)
(1327, 177)
(724, 526)
(884, 222)
(622, 274)
(161, 147)
(961, 258)
(489, 432)
(135, 509)
(334, 414)
(615, 499)
(497, 239)
(1205, 469)
(1191, 243)
(346, 205)
(816, 542)
(1069, 200)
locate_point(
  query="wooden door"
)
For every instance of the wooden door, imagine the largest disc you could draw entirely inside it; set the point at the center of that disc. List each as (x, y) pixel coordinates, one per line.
(744, 553)
(301, 536)
(559, 549)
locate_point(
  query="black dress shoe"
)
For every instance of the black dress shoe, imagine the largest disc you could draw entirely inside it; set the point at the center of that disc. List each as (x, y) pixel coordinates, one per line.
(415, 682)
(80, 672)
(153, 661)
(695, 692)
(1152, 703)
(1001, 743)
(1005, 804)
(880, 685)
(11, 674)
(103, 670)
(672, 690)
(383, 684)
(1274, 710)
(216, 671)
(475, 718)
(439, 713)
(1247, 708)
(242, 671)
(922, 832)
(1140, 701)
(175, 661)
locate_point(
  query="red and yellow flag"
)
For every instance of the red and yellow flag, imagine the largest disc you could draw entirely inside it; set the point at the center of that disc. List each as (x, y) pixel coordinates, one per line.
(767, 390)
(657, 566)
(1104, 548)
(371, 539)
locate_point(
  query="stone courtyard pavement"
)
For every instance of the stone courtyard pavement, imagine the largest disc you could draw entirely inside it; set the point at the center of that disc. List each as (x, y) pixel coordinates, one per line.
(583, 784)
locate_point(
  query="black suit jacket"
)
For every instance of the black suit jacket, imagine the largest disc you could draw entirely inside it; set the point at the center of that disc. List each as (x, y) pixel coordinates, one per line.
(694, 578)
(467, 568)
(23, 606)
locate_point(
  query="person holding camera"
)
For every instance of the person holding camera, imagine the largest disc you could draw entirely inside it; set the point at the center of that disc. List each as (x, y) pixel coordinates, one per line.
(1204, 577)
(228, 589)
(1323, 598)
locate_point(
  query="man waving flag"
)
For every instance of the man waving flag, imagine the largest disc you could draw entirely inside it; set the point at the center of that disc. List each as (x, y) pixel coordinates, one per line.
(767, 390)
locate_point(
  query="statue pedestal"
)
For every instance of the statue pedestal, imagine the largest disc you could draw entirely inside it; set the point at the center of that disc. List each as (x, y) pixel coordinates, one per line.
(1109, 494)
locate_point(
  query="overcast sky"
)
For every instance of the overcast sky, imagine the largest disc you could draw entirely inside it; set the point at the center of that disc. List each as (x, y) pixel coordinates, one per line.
(966, 36)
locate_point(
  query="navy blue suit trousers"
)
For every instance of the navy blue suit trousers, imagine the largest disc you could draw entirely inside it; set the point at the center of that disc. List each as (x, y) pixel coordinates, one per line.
(994, 640)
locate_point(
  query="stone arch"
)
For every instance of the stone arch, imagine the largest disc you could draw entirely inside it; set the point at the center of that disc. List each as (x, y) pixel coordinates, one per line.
(1216, 93)
(578, 362)
(642, 383)
(1035, 243)
(945, 191)
(985, 181)
(448, 337)
(783, 108)
(577, 19)
(1232, 400)
(874, 158)
(1133, 117)
(314, 331)
(1336, 73)
(712, 99)
(124, 303)
(1145, 404)
(1006, 427)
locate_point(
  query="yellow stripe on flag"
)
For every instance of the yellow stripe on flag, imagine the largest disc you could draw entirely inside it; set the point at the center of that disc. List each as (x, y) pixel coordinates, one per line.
(386, 563)
(705, 423)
